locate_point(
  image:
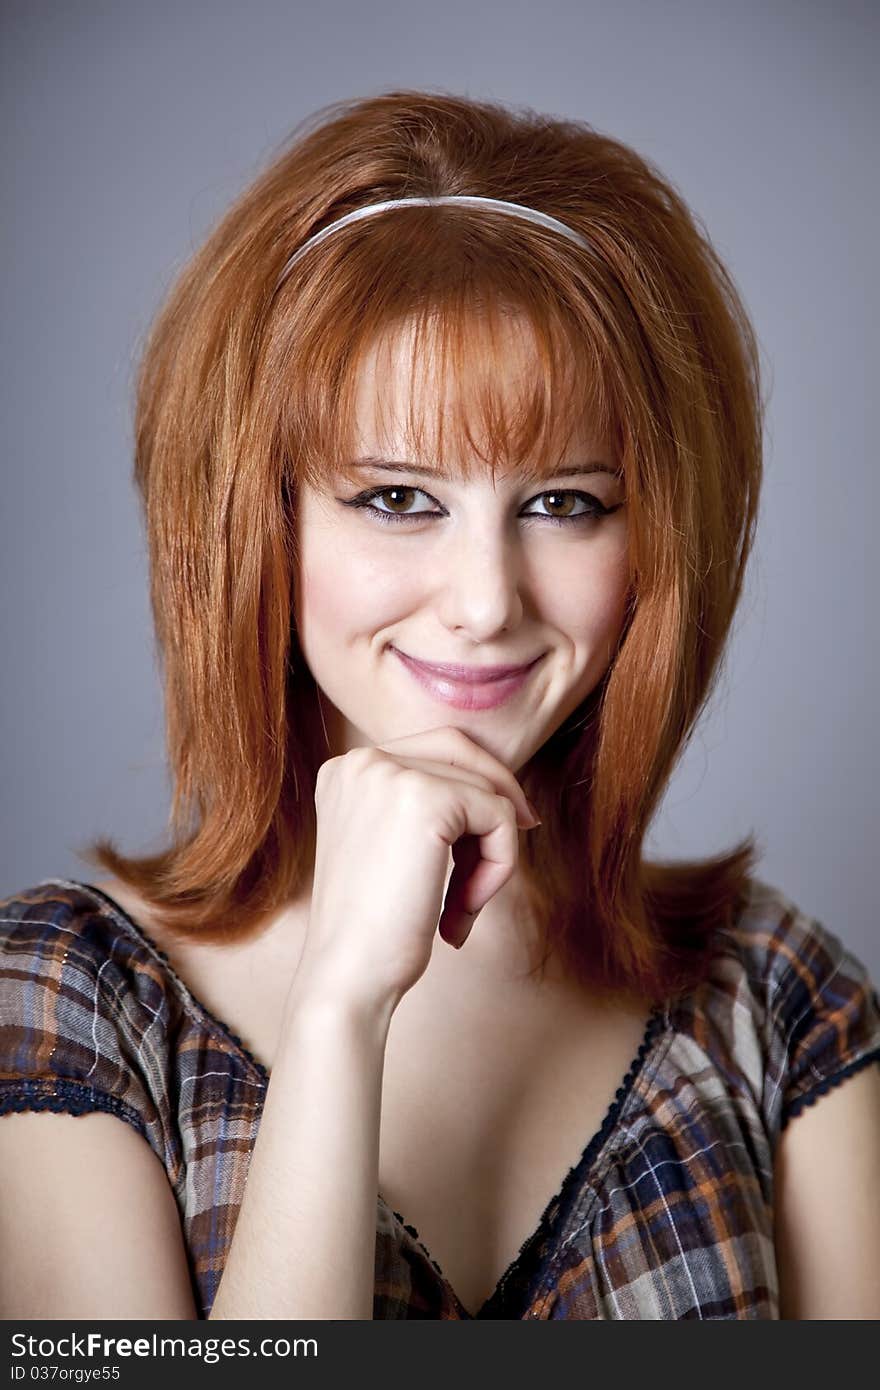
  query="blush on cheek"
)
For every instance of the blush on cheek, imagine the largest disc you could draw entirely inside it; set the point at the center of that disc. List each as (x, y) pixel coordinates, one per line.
(324, 594)
(345, 597)
(588, 604)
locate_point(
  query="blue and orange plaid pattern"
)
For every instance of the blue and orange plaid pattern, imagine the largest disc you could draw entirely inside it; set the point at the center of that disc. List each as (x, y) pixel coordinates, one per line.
(667, 1214)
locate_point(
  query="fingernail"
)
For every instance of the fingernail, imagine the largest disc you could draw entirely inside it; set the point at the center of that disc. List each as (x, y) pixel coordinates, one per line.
(534, 813)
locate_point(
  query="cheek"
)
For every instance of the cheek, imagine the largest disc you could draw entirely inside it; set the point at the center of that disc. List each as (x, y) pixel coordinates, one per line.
(587, 601)
(342, 593)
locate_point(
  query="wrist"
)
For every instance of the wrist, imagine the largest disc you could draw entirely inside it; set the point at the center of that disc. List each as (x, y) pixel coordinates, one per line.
(315, 1008)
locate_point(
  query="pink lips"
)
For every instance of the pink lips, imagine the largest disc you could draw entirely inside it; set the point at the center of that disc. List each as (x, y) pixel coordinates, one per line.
(468, 687)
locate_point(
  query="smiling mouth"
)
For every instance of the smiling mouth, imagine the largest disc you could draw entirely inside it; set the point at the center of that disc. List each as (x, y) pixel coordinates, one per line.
(478, 688)
(469, 675)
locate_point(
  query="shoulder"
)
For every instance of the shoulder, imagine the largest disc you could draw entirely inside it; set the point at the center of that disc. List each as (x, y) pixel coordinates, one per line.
(811, 999)
(84, 1007)
(778, 943)
(86, 1015)
(64, 937)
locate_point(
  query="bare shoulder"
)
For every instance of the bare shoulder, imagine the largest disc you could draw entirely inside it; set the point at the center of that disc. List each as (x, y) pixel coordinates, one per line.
(91, 1217)
(133, 905)
(826, 1211)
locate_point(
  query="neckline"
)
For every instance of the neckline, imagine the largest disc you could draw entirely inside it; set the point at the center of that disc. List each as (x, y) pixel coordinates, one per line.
(559, 1205)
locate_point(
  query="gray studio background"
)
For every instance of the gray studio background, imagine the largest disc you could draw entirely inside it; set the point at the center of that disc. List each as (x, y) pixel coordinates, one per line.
(128, 128)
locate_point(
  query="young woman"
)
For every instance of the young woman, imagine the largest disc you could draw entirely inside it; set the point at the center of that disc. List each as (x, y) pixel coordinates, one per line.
(449, 446)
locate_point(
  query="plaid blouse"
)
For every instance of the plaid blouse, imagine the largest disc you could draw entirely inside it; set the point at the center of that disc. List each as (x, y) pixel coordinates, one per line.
(667, 1214)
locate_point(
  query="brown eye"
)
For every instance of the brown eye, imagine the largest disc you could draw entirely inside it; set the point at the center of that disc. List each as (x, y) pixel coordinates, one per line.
(398, 496)
(398, 510)
(560, 506)
(559, 503)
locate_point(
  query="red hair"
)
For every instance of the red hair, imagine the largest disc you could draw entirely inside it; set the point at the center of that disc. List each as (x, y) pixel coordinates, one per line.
(245, 389)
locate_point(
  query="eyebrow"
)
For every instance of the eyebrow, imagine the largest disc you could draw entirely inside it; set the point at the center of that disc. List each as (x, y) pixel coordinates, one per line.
(389, 466)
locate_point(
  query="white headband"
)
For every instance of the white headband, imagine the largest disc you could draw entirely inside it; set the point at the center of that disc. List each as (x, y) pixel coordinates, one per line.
(543, 219)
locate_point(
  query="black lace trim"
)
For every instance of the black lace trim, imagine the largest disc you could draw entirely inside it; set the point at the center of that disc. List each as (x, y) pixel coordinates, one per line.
(413, 1233)
(560, 1202)
(64, 1097)
(517, 1275)
(821, 1088)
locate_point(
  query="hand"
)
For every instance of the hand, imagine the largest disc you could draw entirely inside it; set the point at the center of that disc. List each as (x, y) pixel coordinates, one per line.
(387, 817)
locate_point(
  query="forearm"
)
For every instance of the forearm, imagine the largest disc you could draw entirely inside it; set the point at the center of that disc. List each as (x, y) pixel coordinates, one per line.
(304, 1242)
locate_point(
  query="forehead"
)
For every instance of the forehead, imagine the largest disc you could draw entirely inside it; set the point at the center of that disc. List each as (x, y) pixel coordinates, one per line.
(419, 392)
(409, 360)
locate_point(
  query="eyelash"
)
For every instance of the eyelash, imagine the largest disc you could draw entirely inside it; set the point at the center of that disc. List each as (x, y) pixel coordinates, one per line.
(364, 501)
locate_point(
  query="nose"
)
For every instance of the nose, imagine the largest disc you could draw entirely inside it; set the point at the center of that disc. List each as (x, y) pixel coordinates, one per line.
(480, 587)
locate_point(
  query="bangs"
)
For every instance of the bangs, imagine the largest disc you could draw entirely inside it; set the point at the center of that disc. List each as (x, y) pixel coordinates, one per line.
(467, 340)
(468, 355)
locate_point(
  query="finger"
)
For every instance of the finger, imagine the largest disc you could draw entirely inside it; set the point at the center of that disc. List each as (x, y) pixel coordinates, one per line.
(463, 774)
(466, 857)
(451, 745)
(457, 918)
(484, 857)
